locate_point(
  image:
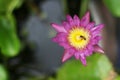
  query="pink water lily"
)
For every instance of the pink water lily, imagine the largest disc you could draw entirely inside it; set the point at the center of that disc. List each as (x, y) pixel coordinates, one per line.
(78, 37)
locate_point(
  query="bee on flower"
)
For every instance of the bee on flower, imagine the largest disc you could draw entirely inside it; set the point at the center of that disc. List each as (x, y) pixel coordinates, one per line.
(79, 38)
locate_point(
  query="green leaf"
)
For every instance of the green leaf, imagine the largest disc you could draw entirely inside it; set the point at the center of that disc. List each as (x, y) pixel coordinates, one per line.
(117, 78)
(9, 42)
(113, 6)
(98, 68)
(9, 5)
(3, 73)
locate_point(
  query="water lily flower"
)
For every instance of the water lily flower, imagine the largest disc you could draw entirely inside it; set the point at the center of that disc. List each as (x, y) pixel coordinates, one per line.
(79, 38)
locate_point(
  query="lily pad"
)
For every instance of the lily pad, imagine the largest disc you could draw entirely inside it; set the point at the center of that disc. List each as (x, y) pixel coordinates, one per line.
(98, 68)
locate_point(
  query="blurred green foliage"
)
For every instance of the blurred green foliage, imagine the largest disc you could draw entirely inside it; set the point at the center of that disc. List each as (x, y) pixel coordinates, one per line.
(113, 6)
(3, 73)
(98, 68)
(117, 78)
(9, 42)
(7, 6)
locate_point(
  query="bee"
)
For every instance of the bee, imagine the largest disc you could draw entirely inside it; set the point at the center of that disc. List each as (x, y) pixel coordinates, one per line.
(82, 37)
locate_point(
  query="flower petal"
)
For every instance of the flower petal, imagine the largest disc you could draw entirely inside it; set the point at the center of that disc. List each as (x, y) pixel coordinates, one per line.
(85, 20)
(66, 55)
(88, 52)
(83, 59)
(87, 30)
(58, 28)
(76, 20)
(95, 40)
(66, 26)
(98, 49)
(98, 27)
(70, 20)
(60, 37)
(96, 30)
(77, 55)
(90, 25)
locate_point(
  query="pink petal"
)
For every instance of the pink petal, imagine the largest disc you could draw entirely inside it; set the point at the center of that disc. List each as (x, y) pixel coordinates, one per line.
(85, 20)
(90, 25)
(76, 20)
(88, 52)
(66, 26)
(72, 50)
(97, 48)
(66, 56)
(95, 33)
(83, 59)
(70, 20)
(60, 37)
(58, 40)
(89, 47)
(77, 55)
(58, 28)
(98, 27)
(95, 40)
(96, 30)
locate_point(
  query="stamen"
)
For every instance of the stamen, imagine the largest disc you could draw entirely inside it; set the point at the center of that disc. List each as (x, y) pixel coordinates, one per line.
(78, 38)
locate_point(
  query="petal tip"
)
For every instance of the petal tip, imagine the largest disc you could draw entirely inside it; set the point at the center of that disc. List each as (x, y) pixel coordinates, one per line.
(63, 60)
(102, 51)
(84, 63)
(87, 14)
(68, 17)
(58, 28)
(66, 56)
(52, 24)
(98, 49)
(101, 25)
(75, 16)
(83, 59)
(85, 19)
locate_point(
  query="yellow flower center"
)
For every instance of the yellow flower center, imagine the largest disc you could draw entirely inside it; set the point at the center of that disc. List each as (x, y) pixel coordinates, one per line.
(78, 37)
